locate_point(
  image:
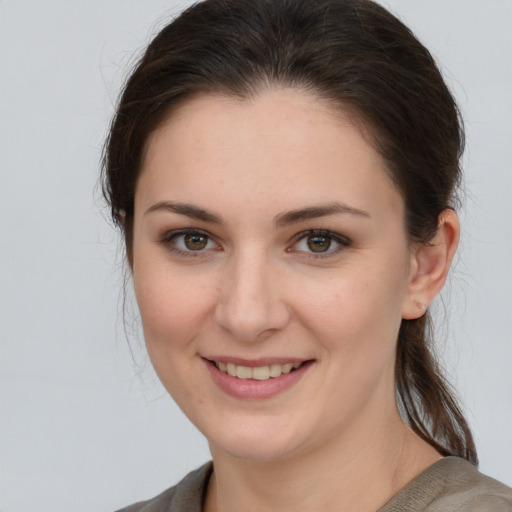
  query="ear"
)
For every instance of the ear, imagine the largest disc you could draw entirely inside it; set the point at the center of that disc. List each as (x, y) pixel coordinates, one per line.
(430, 264)
(120, 217)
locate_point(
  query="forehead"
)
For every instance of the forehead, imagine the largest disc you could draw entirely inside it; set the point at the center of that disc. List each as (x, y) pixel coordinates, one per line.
(278, 148)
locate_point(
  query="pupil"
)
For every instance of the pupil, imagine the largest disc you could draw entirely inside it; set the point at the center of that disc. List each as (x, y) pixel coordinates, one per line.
(319, 243)
(195, 242)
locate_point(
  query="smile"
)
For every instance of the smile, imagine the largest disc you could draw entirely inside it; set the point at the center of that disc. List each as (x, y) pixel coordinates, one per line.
(258, 372)
(255, 379)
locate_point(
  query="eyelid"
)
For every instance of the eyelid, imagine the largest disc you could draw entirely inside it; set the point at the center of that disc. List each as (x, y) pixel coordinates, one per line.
(343, 241)
(167, 241)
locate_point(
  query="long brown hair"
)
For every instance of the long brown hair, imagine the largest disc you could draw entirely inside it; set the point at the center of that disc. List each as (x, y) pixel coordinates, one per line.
(366, 62)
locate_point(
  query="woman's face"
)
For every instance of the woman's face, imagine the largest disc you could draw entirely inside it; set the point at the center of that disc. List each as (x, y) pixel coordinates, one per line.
(269, 243)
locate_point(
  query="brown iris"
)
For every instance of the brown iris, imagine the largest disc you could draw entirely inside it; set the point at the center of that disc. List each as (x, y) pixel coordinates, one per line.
(195, 241)
(319, 243)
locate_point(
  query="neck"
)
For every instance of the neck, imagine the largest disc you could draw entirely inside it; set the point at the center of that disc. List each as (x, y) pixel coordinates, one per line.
(359, 471)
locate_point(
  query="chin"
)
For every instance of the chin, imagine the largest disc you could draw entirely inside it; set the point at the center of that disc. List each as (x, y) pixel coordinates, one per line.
(252, 451)
(275, 442)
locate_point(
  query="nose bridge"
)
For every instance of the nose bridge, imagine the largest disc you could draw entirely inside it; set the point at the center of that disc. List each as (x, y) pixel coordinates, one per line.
(250, 304)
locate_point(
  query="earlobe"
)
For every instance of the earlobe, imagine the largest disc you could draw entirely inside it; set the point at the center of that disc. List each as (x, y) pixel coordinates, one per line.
(430, 264)
(120, 217)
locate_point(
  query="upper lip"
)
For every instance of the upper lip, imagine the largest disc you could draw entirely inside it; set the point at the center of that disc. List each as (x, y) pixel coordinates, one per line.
(254, 363)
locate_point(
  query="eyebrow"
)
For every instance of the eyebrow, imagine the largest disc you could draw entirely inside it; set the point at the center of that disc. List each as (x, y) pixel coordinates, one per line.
(189, 210)
(313, 212)
(280, 220)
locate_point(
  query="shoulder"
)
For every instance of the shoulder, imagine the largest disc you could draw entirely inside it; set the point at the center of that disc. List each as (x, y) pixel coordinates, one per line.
(186, 496)
(452, 485)
(466, 489)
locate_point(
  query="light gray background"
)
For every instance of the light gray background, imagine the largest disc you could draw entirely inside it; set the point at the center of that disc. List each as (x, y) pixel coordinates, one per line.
(80, 427)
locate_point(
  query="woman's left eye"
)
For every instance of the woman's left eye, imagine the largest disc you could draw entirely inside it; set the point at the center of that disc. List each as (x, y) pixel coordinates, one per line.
(320, 243)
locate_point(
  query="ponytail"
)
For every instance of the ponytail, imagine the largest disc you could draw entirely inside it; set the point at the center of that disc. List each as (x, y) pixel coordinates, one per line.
(425, 398)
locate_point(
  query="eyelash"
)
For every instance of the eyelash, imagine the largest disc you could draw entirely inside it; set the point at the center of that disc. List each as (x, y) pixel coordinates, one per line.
(343, 242)
(169, 241)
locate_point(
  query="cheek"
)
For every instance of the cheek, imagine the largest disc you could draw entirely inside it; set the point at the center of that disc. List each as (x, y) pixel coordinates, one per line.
(173, 310)
(173, 306)
(357, 310)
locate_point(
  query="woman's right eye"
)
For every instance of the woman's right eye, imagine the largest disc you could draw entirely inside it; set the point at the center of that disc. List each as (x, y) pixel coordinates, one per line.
(189, 242)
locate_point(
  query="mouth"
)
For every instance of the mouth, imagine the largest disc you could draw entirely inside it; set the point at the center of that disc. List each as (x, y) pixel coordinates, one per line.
(260, 373)
(256, 379)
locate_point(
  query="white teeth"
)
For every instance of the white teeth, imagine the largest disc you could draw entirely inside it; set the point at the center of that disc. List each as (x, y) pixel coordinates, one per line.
(287, 368)
(261, 373)
(231, 368)
(243, 372)
(256, 373)
(275, 370)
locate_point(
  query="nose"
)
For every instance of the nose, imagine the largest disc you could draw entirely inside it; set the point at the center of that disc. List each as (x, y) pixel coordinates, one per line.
(251, 305)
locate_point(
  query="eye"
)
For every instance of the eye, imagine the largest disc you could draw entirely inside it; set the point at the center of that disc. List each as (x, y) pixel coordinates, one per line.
(190, 241)
(320, 243)
(194, 241)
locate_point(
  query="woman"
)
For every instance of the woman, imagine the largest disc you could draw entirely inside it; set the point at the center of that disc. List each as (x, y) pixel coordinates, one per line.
(284, 175)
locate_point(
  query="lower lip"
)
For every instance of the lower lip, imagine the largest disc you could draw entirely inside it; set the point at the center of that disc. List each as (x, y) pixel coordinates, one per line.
(256, 389)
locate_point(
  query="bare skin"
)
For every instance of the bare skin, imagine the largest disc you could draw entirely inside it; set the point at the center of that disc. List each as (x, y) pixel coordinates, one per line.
(321, 482)
(268, 231)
